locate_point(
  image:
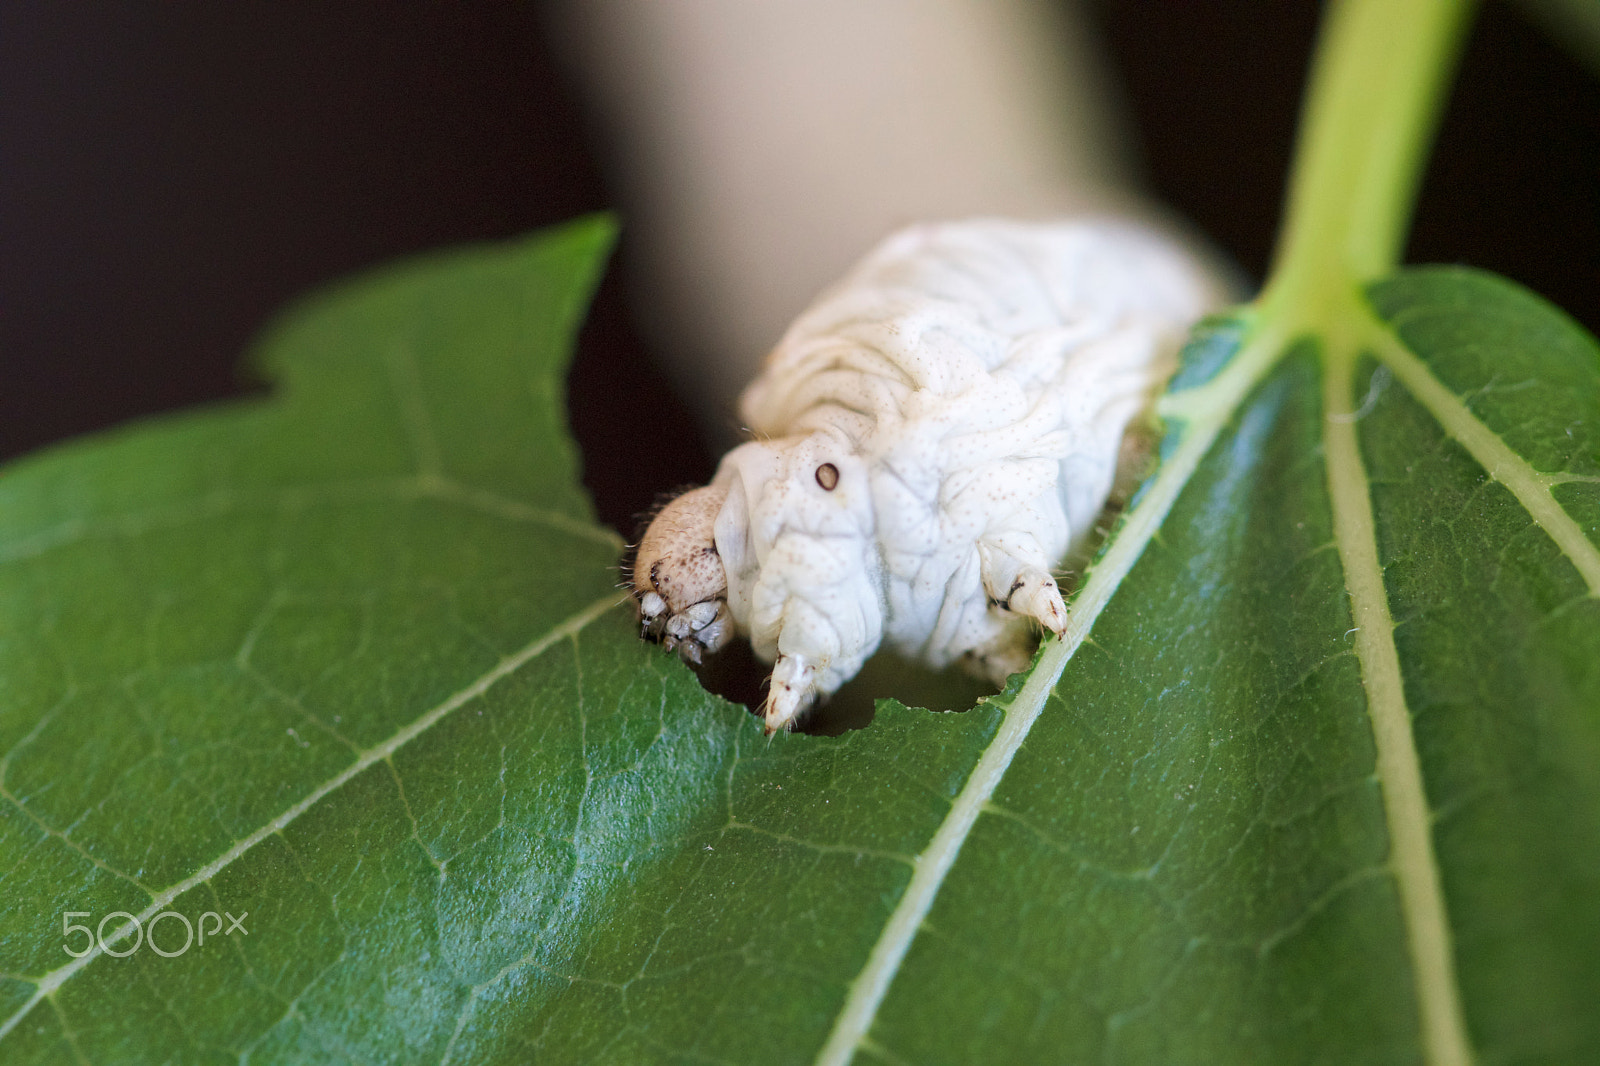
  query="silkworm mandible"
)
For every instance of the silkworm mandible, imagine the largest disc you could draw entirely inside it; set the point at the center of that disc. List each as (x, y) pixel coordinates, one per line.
(931, 437)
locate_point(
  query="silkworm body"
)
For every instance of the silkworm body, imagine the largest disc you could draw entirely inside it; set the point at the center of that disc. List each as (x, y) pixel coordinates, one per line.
(931, 437)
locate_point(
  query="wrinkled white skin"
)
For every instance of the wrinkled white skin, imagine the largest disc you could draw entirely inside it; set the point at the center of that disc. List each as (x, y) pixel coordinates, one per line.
(971, 384)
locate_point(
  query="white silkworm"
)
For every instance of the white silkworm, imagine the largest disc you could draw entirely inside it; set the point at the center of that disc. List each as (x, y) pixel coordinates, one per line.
(932, 436)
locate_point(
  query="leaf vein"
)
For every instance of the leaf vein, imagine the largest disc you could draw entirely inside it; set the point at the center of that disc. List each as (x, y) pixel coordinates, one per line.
(61, 835)
(1529, 486)
(406, 489)
(1202, 413)
(405, 380)
(506, 666)
(1411, 855)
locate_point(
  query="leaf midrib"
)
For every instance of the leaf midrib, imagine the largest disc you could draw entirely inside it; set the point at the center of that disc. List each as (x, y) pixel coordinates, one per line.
(1202, 411)
(1405, 800)
(1409, 822)
(366, 759)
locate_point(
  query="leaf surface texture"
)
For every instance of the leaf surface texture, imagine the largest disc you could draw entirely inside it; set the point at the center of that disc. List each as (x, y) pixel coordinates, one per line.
(352, 660)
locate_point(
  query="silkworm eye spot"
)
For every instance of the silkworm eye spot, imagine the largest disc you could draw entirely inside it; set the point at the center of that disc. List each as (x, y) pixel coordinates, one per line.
(828, 476)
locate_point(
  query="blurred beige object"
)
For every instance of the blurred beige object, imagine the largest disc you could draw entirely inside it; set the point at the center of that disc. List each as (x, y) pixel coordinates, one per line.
(760, 146)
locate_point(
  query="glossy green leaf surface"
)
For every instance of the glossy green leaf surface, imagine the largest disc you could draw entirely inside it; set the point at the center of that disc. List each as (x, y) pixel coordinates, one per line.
(1193, 857)
(348, 664)
(1498, 620)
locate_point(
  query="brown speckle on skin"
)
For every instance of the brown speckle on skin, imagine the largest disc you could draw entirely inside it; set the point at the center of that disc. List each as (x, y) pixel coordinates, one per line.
(678, 552)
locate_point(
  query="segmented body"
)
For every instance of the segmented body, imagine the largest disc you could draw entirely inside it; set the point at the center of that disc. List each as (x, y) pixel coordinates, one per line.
(932, 436)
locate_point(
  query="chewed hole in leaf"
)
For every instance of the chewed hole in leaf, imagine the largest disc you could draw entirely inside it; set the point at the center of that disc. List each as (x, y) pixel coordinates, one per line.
(639, 441)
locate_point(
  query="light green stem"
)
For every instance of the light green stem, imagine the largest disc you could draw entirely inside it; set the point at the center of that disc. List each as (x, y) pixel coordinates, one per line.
(1375, 92)
(1376, 87)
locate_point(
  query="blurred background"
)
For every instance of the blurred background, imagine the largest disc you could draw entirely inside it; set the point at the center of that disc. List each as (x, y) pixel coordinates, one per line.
(173, 173)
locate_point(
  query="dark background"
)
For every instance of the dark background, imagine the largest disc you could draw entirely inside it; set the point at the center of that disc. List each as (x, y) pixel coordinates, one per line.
(172, 173)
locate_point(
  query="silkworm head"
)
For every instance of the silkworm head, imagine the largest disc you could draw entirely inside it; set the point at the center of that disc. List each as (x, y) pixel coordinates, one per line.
(677, 566)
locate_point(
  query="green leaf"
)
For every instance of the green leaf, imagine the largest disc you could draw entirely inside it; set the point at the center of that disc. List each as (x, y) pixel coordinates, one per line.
(1220, 841)
(1353, 712)
(350, 664)
(1315, 775)
(332, 663)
